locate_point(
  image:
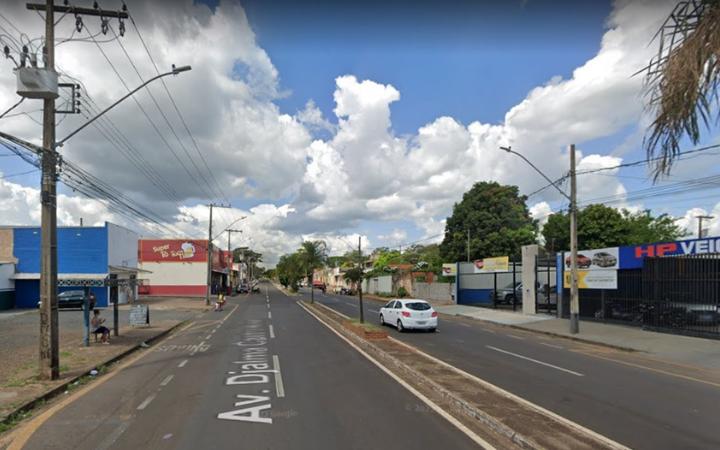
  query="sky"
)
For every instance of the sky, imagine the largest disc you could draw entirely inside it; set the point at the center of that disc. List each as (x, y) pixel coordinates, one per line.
(339, 120)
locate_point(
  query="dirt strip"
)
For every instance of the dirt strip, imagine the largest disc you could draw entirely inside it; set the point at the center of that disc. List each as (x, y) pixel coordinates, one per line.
(497, 416)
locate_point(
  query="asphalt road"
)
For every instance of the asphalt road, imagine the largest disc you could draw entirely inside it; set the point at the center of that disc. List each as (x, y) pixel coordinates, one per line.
(637, 407)
(212, 386)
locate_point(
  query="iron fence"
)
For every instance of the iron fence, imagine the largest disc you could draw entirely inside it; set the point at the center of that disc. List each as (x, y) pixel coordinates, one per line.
(678, 294)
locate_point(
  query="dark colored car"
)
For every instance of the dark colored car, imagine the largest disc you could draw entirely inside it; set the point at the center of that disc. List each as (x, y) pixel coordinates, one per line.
(70, 299)
(583, 262)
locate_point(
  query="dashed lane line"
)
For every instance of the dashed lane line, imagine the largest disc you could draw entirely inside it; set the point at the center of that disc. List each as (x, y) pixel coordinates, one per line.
(516, 337)
(167, 380)
(269, 315)
(146, 402)
(182, 363)
(551, 345)
(272, 331)
(526, 358)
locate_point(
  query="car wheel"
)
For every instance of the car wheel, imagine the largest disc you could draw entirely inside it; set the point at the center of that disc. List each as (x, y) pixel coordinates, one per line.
(432, 330)
(400, 326)
(382, 320)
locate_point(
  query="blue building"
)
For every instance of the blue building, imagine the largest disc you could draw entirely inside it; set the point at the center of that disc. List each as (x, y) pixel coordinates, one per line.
(84, 253)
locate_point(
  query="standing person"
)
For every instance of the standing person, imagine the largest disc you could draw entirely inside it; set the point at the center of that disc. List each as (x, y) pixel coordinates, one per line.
(98, 327)
(220, 301)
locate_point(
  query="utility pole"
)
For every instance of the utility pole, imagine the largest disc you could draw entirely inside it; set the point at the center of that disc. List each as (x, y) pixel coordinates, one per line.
(468, 245)
(232, 258)
(574, 296)
(700, 221)
(360, 266)
(208, 291)
(49, 336)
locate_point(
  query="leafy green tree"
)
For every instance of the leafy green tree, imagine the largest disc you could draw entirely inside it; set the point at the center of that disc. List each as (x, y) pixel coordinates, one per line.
(312, 255)
(602, 226)
(498, 219)
(290, 271)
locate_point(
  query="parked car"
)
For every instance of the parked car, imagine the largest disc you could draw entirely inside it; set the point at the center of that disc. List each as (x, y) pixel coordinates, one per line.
(508, 294)
(70, 299)
(242, 288)
(583, 262)
(347, 291)
(603, 259)
(319, 285)
(409, 313)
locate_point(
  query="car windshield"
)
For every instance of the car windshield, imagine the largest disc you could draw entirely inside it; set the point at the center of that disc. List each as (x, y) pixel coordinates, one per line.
(417, 306)
(70, 294)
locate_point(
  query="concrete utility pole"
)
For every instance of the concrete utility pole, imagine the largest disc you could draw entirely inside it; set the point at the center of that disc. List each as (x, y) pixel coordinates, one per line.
(232, 258)
(208, 292)
(700, 221)
(360, 265)
(574, 303)
(49, 337)
(574, 296)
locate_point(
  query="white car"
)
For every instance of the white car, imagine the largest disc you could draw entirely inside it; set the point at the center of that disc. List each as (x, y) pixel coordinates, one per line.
(409, 313)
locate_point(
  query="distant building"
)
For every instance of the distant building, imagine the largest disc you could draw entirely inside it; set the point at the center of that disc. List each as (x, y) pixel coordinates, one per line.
(84, 253)
(178, 267)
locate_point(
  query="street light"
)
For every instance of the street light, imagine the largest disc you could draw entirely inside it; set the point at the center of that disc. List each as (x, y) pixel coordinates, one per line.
(174, 71)
(574, 297)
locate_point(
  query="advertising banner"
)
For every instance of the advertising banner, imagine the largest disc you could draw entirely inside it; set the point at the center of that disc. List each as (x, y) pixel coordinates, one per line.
(449, 269)
(593, 279)
(172, 250)
(491, 265)
(631, 257)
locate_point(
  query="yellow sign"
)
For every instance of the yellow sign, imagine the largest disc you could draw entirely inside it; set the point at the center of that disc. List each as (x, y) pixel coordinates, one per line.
(489, 265)
(593, 279)
(449, 269)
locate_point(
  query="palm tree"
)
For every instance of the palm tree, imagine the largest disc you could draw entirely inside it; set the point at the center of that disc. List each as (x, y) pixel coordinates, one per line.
(313, 255)
(682, 80)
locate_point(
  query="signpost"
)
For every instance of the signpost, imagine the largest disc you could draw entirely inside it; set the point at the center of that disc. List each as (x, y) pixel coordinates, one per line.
(139, 315)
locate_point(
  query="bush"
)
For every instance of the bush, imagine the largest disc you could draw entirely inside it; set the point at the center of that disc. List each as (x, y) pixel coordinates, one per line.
(402, 292)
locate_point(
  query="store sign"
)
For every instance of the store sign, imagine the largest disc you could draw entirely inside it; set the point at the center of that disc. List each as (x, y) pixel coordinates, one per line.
(593, 279)
(449, 269)
(632, 257)
(491, 265)
(167, 250)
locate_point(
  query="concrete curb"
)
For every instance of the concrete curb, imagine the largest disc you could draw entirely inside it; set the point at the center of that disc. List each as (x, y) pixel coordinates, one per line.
(467, 408)
(30, 405)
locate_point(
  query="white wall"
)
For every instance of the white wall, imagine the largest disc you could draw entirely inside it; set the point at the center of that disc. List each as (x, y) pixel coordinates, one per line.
(174, 273)
(434, 292)
(378, 285)
(122, 246)
(6, 271)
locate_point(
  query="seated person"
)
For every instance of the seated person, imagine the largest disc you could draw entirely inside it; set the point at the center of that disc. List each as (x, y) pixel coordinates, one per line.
(99, 328)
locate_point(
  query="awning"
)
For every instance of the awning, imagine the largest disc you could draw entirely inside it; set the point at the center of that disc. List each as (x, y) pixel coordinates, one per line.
(61, 276)
(127, 270)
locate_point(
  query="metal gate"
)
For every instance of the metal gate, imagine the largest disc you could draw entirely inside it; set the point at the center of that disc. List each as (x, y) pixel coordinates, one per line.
(546, 295)
(493, 290)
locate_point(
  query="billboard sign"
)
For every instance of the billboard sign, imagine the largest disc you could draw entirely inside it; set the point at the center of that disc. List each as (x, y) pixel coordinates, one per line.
(597, 268)
(172, 250)
(492, 265)
(631, 257)
(593, 279)
(449, 269)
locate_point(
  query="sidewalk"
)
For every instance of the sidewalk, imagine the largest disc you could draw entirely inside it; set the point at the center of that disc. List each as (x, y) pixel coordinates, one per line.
(19, 346)
(668, 347)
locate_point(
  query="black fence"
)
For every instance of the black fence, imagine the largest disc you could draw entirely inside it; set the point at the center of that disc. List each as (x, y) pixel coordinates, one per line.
(677, 294)
(546, 284)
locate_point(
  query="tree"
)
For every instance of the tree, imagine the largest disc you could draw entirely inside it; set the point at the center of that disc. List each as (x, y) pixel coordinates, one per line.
(498, 220)
(289, 270)
(683, 79)
(312, 255)
(602, 226)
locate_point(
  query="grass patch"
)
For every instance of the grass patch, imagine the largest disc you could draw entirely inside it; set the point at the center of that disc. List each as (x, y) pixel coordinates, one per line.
(367, 325)
(65, 354)
(19, 382)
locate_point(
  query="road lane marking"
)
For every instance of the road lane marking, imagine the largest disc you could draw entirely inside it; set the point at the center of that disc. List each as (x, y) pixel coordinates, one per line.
(146, 402)
(551, 345)
(167, 380)
(182, 363)
(109, 441)
(208, 337)
(269, 315)
(272, 331)
(515, 337)
(577, 374)
(279, 388)
(432, 405)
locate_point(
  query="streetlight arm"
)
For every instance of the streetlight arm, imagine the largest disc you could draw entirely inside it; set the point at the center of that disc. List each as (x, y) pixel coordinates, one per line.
(509, 150)
(174, 71)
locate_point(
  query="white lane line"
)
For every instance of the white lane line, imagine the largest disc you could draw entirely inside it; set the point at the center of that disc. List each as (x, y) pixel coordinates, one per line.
(551, 345)
(577, 374)
(279, 388)
(515, 337)
(272, 331)
(167, 380)
(192, 353)
(213, 331)
(182, 363)
(208, 337)
(268, 305)
(269, 315)
(146, 402)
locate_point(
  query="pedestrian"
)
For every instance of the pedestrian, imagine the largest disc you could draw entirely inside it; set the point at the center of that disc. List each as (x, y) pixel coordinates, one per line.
(220, 302)
(99, 328)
